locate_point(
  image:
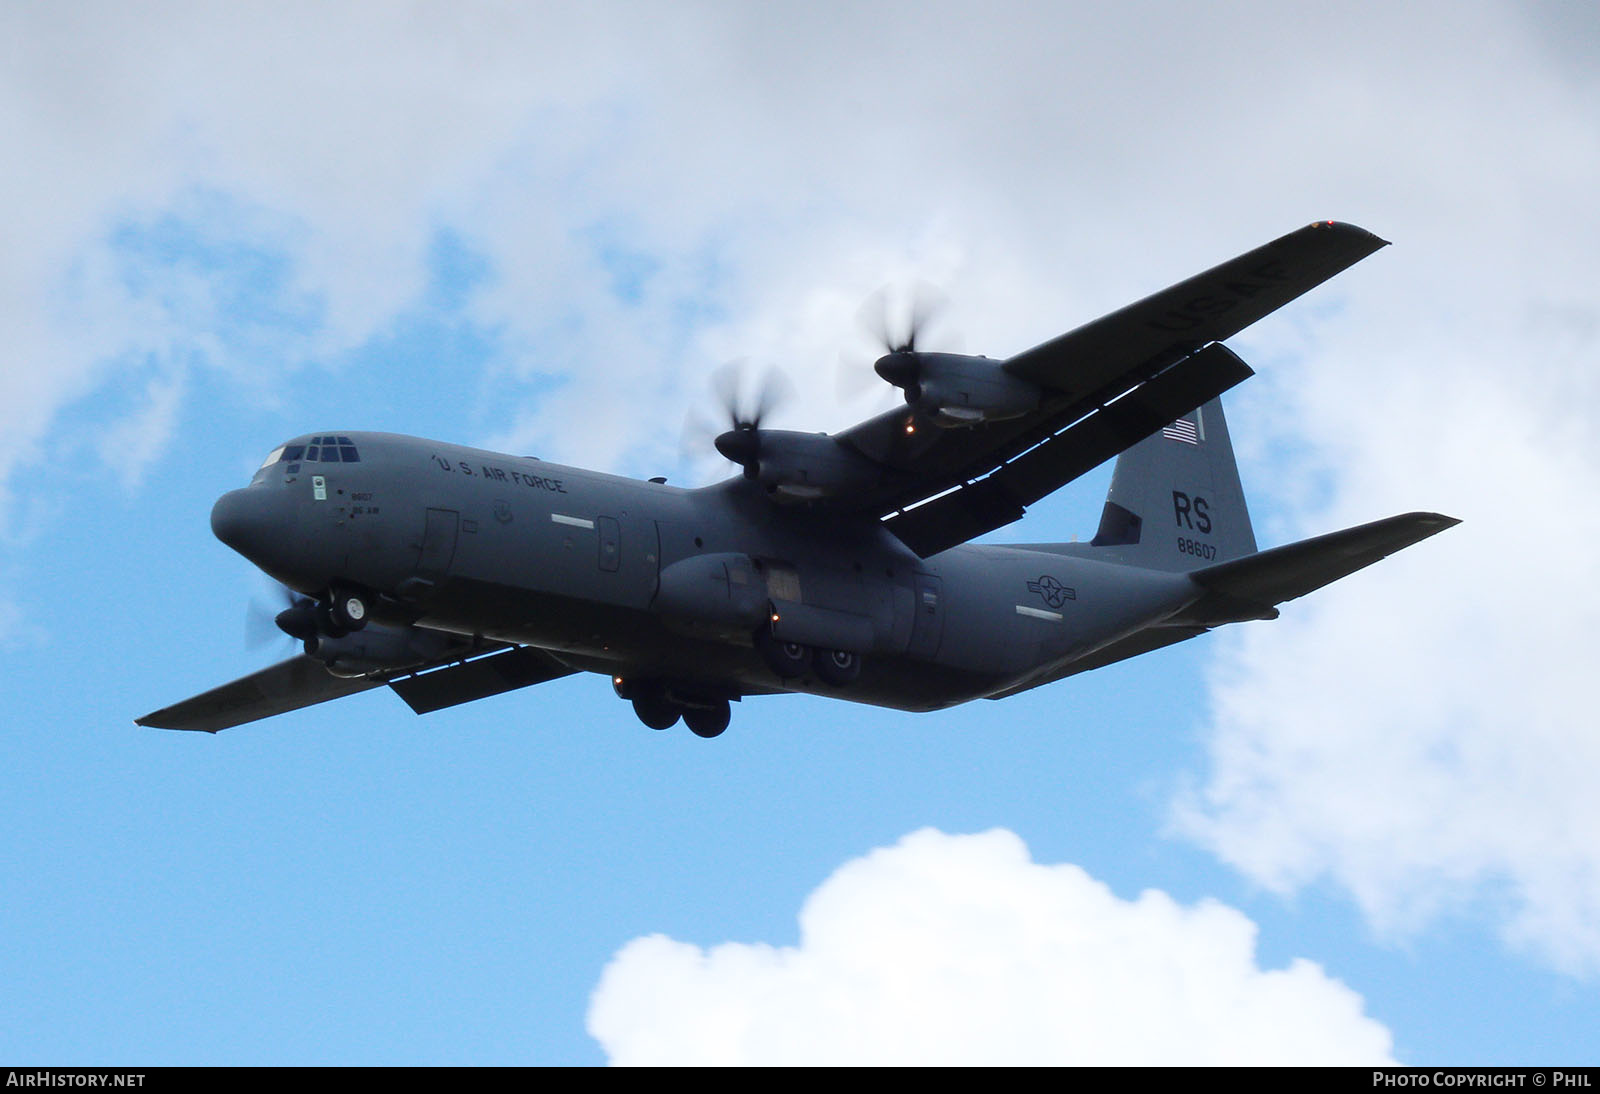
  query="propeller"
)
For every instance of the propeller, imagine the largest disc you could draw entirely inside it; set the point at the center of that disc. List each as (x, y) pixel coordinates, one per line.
(745, 405)
(297, 618)
(899, 336)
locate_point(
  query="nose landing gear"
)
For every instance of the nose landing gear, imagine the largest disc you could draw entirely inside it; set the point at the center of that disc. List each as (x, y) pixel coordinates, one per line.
(348, 609)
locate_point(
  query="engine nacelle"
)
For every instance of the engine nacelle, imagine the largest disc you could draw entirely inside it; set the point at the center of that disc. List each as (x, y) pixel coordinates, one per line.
(953, 389)
(800, 467)
(380, 648)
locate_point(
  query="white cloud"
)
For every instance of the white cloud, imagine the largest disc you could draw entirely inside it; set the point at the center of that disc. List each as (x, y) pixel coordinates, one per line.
(134, 444)
(1424, 733)
(961, 950)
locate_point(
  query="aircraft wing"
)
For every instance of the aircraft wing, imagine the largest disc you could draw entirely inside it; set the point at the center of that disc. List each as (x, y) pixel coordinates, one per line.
(302, 681)
(1208, 307)
(1108, 385)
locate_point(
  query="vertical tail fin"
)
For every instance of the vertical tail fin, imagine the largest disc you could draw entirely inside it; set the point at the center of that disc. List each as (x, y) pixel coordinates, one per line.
(1176, 502)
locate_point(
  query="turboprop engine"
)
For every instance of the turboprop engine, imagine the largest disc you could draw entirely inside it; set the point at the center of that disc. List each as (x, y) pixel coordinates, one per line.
(380, 648)
(797, 467)
(953, 389)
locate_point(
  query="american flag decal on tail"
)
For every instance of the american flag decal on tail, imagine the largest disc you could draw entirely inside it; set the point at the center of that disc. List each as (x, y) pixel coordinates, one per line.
(1182, 430)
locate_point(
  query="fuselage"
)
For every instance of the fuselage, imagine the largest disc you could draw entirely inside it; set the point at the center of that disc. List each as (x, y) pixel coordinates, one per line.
(631, 578)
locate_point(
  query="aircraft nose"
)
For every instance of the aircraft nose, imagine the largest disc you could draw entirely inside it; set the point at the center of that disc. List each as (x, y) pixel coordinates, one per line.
(239, 519)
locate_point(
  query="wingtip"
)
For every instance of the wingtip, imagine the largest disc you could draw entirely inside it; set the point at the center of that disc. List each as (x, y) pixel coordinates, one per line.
(150, 721)
(1352, 230)
(1428, 525)
(1440, 520)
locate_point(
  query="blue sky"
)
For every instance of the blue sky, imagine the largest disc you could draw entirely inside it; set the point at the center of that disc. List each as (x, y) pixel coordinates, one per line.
(543, 230)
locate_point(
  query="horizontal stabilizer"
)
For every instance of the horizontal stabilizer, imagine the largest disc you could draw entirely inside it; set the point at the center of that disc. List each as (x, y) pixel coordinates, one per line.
(300, 681)
(462, 683)
(1250, 587)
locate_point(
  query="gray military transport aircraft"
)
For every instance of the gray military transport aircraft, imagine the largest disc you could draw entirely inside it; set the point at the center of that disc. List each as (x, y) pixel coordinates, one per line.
(835, 564)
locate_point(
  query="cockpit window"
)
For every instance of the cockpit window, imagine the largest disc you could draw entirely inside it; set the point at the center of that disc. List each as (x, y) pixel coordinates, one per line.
(332, 450)
(320, 450)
